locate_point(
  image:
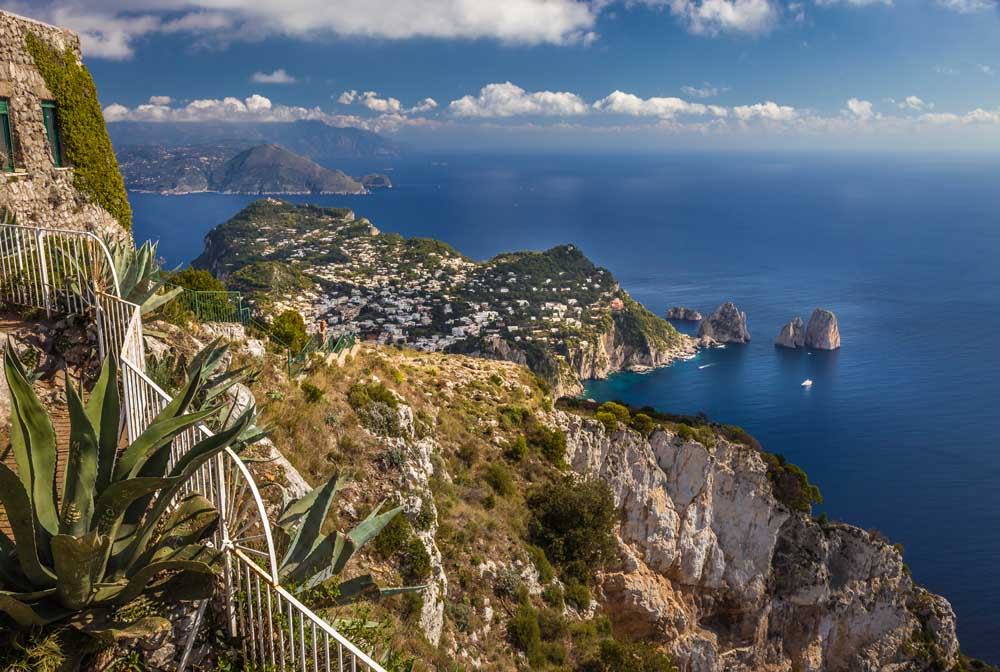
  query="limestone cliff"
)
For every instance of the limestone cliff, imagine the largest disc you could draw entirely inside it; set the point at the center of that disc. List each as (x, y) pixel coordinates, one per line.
(726, 325)
(793, 334)
(823, 332)
(731, 579)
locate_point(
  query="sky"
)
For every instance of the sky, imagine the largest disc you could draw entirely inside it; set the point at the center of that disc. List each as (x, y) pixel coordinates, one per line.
(631, 75)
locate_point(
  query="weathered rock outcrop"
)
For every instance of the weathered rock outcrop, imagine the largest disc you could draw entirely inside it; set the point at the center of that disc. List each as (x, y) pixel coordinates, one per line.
(726, 325)
(730, 579)
(683, 314)
(793, 334)
(823, 333)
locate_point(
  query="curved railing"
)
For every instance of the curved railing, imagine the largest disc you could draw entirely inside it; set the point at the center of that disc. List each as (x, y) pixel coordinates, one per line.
(63, 272)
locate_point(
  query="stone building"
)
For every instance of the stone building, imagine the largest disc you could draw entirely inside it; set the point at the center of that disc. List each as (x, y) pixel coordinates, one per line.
(36, 180)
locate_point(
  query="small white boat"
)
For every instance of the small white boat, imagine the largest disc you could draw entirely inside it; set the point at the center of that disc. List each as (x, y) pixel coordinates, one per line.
(807, 382)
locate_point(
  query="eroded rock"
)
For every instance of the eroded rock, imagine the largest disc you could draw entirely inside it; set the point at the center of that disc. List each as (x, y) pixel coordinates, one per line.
(726, 325)
(823, 333)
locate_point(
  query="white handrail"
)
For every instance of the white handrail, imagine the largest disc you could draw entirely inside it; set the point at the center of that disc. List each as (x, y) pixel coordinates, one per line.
(41, 268)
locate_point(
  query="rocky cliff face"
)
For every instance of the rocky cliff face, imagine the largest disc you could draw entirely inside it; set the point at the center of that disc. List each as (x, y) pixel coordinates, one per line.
(730, 579)
(823, 333)
(726, 325)
(612, 352)
(793, 334)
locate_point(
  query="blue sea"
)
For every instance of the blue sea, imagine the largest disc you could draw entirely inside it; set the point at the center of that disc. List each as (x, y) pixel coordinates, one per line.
(897, 429)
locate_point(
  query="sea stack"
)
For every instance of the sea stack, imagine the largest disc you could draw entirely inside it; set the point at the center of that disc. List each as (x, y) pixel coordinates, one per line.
(823, 332)
(725, 325)
(793, 334)
(683, 314)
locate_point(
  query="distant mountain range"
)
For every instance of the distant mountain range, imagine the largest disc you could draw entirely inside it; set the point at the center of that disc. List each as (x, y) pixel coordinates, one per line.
(231, 167)
(314, 139)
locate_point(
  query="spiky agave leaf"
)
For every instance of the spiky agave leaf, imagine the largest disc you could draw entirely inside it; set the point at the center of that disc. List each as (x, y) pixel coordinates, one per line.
(97, 556)
(312, 559)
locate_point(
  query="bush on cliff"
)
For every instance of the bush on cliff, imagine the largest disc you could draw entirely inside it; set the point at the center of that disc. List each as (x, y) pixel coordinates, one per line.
(572, 522)
(290, 329)
(790, 484)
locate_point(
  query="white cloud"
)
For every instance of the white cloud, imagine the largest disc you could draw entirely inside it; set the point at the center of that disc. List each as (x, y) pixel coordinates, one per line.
(915, 103)
(425, 105)
(706, 90)
(109, 28)
(968, 6)
(371, 100)
(620, 102)
(861, 109)
(160, 100)
(279, 76)
(945, 70)
(986, 69)
(507, 100)
(711, 17)
(769, 111)
(856, 3)
(375, 103)
(253, 108)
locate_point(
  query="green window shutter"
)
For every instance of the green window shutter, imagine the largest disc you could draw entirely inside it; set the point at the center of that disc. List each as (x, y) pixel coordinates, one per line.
(52, 131)
(6, 144)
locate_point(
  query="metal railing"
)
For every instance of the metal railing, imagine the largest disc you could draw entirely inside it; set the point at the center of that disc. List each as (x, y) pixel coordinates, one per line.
(215, 306)
(64, 272)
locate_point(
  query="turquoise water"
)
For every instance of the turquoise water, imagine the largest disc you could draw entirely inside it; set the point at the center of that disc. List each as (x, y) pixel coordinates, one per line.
(897, 429)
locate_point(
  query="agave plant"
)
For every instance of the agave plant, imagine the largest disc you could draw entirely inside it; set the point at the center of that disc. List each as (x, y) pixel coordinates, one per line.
(114, 532)
(313, 559)
(140, 276)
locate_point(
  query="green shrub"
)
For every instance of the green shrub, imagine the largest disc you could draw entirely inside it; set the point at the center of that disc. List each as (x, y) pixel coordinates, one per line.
(685, 432)
(393, 537)
(196, 280)
(609, 420)
(469, 454)
(552, 625)
(551, 443)
(376, 407)
(507, 583)
(705, 436)
(614, 408)
(553, 596)
(525, 635)
(615, 656)
(81, 126)
(790, 484)
(513, 417)
(499, 477)
(416, 566)
(289, 328)
(517, 450)
(643, 424)
(577, 596)
(542, 564)
(313, 393)
(554, 653)
(573, 521)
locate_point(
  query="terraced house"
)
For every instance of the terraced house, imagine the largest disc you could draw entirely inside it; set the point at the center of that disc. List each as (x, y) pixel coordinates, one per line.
(57, 168)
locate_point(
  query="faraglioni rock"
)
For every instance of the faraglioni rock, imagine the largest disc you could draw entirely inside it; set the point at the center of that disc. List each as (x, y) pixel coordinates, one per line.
(823, 332)
(725, 325)
(684, 314)
(793, 334)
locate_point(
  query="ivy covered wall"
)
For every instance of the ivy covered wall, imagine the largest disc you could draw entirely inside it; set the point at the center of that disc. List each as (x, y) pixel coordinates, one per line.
(86, 144)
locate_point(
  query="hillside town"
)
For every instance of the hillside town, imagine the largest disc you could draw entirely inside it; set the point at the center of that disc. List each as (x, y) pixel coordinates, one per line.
(416, 292)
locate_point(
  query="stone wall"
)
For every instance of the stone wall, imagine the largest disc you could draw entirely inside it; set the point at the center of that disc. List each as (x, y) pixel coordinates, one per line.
(37, 192)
